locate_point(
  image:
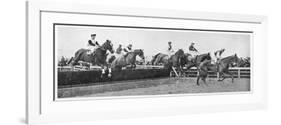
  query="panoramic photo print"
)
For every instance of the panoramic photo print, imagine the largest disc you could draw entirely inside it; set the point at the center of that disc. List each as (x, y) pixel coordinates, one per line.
(114, 61)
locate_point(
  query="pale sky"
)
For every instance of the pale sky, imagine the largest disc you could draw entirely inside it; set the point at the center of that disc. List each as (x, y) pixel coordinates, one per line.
(153, 41)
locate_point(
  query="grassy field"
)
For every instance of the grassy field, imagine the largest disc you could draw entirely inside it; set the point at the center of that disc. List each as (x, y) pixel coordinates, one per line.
(156, 87)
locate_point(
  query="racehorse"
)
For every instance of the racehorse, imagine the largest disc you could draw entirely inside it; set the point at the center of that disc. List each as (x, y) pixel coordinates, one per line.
(96, 58)
(222, 67)
(159, 58)
(127, 59)
(175, 61)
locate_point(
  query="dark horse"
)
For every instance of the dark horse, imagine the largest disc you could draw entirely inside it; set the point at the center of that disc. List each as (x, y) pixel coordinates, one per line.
(222, 67)
(96, 58)
(127, 59)
(175, 62)
(159, 58)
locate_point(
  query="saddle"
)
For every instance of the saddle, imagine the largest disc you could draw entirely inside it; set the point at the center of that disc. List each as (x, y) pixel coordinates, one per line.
(192, 58)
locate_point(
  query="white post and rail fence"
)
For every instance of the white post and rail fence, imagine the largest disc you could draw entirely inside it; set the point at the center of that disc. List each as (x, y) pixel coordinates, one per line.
(238, 72)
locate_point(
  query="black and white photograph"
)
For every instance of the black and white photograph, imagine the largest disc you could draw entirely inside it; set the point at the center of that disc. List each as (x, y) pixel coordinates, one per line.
(114, 61)
(91, 62)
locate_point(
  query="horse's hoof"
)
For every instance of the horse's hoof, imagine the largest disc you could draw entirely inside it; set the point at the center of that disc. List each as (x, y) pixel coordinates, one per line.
(109, 75)
(102, 76)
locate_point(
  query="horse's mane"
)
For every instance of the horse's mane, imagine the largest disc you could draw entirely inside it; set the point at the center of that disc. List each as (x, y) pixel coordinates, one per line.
(228, 58)
(204, 56)
(135, 51)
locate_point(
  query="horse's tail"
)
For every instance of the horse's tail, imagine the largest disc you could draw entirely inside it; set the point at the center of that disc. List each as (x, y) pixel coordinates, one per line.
(69, 61)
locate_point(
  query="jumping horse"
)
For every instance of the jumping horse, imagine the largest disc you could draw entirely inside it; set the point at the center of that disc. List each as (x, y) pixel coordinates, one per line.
(175, 62)
(96, 58)
(127, 59)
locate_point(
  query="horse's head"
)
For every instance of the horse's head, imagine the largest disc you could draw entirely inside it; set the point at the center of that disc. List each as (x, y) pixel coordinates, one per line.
(108, 46)
(231, 60)
(181, 57)
(140, 53)
(180, 53)
(222, 50)
(206, 56)
(235, 60)
(187, 58)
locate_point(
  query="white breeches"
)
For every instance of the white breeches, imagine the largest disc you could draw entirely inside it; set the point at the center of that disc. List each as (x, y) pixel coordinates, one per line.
(92, 48)
(193, 53)
(170, 53)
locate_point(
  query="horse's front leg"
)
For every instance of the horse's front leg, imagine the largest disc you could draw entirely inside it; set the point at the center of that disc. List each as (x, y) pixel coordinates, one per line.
(220, 75)
(102, 71)
(109, 72)
(134, 66)
(180, 71)
(198, 78)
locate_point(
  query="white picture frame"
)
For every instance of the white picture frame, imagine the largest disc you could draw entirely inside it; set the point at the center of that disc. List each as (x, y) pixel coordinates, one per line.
(41, 107)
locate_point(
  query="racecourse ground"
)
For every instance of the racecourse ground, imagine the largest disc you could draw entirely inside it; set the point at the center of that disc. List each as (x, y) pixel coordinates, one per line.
(156, 87)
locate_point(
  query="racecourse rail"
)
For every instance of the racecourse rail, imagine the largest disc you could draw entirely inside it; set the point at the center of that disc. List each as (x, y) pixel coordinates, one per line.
(238, 72)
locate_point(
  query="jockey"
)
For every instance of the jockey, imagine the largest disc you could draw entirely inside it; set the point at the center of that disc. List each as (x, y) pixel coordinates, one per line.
(218, 54)
(192, 50)
(92, 44)
(119, 51)
(170, 49)
(128, 49)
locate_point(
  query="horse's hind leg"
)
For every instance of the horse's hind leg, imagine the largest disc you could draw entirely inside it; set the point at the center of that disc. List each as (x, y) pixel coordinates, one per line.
(230, 74)
(201, 75)
(204, 80)
(180, 71)
(220, 74)
(198, 78)
(102, 71)
(109, 72)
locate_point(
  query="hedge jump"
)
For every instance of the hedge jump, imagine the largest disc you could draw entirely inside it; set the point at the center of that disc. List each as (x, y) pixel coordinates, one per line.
(74, 78)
